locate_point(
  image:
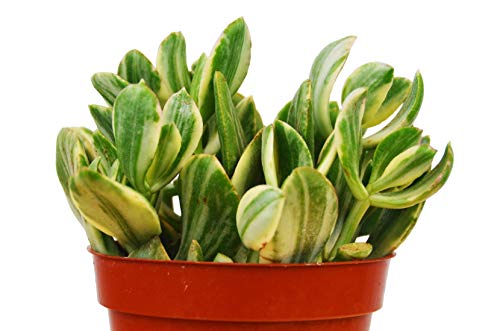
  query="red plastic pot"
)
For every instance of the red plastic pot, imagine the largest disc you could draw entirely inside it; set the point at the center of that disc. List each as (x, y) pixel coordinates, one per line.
(187, 296)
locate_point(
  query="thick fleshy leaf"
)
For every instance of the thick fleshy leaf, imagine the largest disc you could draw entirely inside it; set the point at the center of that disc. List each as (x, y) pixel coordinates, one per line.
(114, 209)
(136, 124)
(307, 220)
(354, 251)
(421, 190)
(106, 150)
(135, 67)
(194, 87)
(195, 252)
(238, 97)
(300, 114)
(171, 63)
(395, 97)
(152, 250)
(210, 138)
(103, 118)
(406, 115)
(393, 145)
(230, 56)
(109, 85)
(269, 155)
(327, 154)
(231, 134)
(169, 144)
(404, 168)
(283, 113)
(377, 78)
(292, 150)
(208, 202)
(221, 258)
(395, 227)
(249, 117)
(258, 215)
(348, 135)
(324, 72)
(248, 172)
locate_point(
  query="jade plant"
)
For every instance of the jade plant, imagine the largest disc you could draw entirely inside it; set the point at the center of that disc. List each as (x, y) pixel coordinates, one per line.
(321, 183)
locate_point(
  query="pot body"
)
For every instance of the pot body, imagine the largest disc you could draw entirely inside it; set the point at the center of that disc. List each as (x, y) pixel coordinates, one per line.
(188, 296)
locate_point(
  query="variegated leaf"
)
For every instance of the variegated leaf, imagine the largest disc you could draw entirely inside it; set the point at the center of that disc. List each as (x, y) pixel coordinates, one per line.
(195, 252)
(406, 115)
(283, 113)
(307, 220)
(136, 124)
(327, 154)
(211, 141)
(377, 78)
(419, 191)
(230, 56)
(135, 67)
(249, 117)
(169, 144)
(221, 258)
(258, 215)
(354, 251)
(404, 168)
(108, 85)
(208, 202)
(114, 209)
(231, 134)
(300, 114)
(152, 250)
(181, 110)
(106, 150)
(395, 227)
(395, 97)
(171, 63)
(324, 72)
(348, 135)
(393, 145)
(248, 172)
(103, 118)
(292, 150)
(269, 155)
(197, 67)
(237, 98)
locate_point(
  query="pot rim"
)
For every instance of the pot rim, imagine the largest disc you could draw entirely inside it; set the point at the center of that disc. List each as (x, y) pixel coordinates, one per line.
(239, 265)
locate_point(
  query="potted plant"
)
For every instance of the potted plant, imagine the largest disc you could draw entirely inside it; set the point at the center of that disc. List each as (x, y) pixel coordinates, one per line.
(312, 205)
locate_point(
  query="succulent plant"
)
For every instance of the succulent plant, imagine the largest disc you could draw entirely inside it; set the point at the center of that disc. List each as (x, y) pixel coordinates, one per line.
(303, 189)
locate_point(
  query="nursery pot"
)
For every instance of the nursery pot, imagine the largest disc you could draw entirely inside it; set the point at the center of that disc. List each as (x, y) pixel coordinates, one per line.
(205, 296)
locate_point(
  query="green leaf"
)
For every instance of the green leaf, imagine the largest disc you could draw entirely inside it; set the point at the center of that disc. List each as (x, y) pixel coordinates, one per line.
(354, 251)
(395, 97)
(269, 156)
(258, 215)
(307, 220)
(230, 56)
(231, 135)
(221, 258)
(248, 172)
(324, 72)
(237, 98)
(135, 67)
(249, 117)
(283, 113)
(136, 123)
(181, 110)
(292, 150)
(300, 115)
(169, 145)
(108, 85)
(348, 140)
(327, 154)
(114, 209)
(208, 202)
(421, 190)
(406, 115)
(395, 227)
(103, 118)
(404, 168)
(393, 145)
(152, 250)
(171, 63)
(194, 87)
(377, 78)
(106, 150)
(195, 252)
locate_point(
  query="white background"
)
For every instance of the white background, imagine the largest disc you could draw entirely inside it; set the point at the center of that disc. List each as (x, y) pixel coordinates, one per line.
(444, 277)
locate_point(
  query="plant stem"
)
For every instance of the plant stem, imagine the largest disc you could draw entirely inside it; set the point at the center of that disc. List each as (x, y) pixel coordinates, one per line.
(355, 216)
